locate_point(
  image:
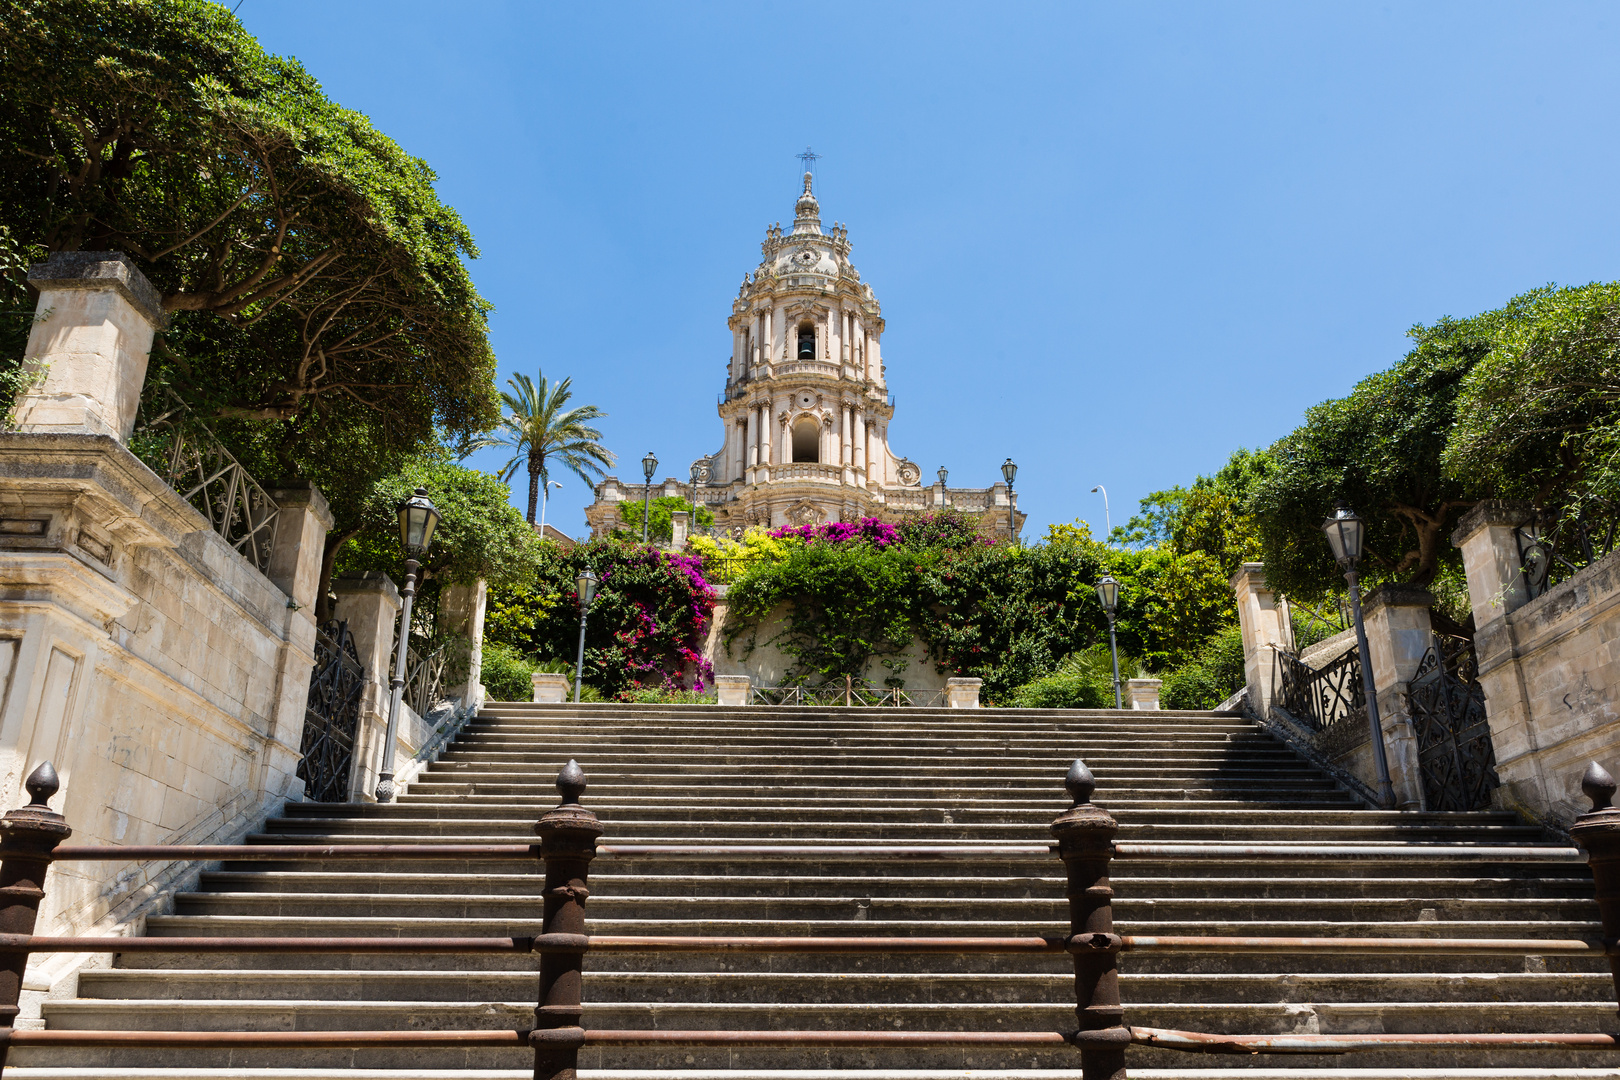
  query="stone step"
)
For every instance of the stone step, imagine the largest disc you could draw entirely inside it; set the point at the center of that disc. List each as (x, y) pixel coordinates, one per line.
(810, 987)
(606, 906)
(1211, 1073)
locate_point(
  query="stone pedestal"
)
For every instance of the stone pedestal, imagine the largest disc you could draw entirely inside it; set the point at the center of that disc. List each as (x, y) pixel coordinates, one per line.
(1398, 634)
(733, 689)
(551, 687)
(1143, 693)
(963, 693)
(680, 524)
(1263, 617)
(369, 603)
(461, 612)
(1491, 558)
(94, 324)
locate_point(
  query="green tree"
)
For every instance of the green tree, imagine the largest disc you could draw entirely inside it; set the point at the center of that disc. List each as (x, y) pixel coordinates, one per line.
(1379, 449)
(306, 258)
(1538, 416)
(661, 524)
(540, 430)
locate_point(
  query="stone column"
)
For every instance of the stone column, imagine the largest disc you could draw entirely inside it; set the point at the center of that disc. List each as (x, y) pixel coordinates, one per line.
(89, 344)
(369, 603)
(784, 434)
(295, 568)
(860, 445)
(461, 612)
(680, 527)
(1263, 618)
(1491, 558)
(1398, 634)
(751, 447)
(1144, 693)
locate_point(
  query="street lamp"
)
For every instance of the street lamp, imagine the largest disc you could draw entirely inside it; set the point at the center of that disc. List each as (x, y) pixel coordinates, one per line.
(700, 472)
(1108, 521)
(1009, 470)
(942, 474)
(1345, 532)
(417, 520)
(545, 495)
(1108, 594)
(586, 584)
(649, 465)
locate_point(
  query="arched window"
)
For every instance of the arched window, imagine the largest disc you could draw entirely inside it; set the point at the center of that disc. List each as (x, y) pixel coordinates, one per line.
(807, 439)
(807, 341)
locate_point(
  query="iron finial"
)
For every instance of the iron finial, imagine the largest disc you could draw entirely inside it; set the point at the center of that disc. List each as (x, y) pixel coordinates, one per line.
(1080, 783)
(571, 782)
(1598, 786)
(43, 782)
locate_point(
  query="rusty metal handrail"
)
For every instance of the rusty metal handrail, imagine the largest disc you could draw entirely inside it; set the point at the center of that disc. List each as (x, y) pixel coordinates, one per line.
(1201, 1042)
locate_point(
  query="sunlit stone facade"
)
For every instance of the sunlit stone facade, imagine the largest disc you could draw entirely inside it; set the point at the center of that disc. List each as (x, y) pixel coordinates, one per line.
(806, 408)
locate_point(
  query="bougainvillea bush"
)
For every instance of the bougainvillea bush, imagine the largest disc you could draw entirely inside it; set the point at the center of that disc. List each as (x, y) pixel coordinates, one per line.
(647, 624)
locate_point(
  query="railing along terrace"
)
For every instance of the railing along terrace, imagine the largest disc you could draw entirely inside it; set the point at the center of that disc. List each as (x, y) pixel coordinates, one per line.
(424, 679)
(849, 693)
(185, 453)
(34, 836)
(1550, 555)
(1320, 698)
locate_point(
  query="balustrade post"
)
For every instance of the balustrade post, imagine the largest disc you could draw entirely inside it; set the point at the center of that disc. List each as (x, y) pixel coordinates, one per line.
(568, 836)
(1085, 835)
(1599, 833)
(27, 836)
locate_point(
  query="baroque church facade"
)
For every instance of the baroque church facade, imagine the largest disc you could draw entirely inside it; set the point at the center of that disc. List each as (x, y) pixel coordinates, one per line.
(806, 406)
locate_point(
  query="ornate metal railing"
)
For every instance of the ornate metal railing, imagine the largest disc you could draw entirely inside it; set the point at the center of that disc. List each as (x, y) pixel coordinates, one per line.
(1447, 704)
(1328, 699)
(424, 679)
(849, 694)
(185, 453)
(1549, 555)
(331, 715)
(724, 568)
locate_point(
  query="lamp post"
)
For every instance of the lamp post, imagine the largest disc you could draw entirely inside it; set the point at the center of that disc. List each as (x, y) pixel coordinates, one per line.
(545, 495)
(649, 465)
(700, 473)
(1108, 594)
(417, 520)
(1009, 470)
(1345, 532)
(586, 584)
(1108, 521)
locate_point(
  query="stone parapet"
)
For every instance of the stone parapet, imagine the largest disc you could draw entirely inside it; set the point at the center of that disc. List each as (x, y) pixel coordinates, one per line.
(1263, 620)
(369, 604)
(1143, 694)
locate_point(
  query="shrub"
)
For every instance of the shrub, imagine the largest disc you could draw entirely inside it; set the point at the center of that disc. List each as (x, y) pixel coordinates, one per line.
(1214, 675)
(652, 696)
(506, 673)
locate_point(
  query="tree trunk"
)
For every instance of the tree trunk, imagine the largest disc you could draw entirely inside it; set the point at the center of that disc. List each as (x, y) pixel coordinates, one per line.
(534, 489)
(323, 590)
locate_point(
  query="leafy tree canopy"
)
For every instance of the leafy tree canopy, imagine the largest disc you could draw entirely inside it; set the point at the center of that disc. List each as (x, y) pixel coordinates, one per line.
(1379, 449)
(314, 275)
(661, 524)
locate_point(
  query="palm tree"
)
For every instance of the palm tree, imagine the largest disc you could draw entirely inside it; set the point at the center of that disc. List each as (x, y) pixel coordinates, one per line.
(541, 431)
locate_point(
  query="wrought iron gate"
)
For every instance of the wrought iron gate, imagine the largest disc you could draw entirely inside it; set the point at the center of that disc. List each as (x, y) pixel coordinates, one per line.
(1455, 755)
(332, 715)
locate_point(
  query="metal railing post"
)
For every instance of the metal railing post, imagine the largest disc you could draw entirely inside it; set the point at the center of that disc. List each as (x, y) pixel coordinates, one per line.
(1598, 831)
(27, 836)
(1085, 836)
(568, 835)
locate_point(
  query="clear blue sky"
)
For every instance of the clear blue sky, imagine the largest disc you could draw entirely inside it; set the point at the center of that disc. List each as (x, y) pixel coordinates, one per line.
(1114, 241)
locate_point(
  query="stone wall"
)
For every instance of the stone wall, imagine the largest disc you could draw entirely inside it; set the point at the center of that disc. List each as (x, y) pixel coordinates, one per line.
(1550, 667)
(768, 665)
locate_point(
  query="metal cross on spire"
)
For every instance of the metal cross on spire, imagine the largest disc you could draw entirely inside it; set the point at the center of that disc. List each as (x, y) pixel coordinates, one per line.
(809, 157)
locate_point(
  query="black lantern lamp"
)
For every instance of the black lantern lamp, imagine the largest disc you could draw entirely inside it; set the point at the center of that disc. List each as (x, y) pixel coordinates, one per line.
(417, 519)
(942, 474)
(1108, 596)
(649, 465)
(1009, 471)
(586, 586)
(1345, 533)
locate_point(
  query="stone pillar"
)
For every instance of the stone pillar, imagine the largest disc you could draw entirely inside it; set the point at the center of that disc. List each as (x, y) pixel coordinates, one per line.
(551, 688)
(733, 689)
(751, 450)
(784, 433)
(963, 693)
(860, 445)
(680, 524)
(461, 612)
(295, 568)
(1263, 618)
(89, 344)
(1144, 693)
(370, 604)
(1491, 558)
(1398, 634)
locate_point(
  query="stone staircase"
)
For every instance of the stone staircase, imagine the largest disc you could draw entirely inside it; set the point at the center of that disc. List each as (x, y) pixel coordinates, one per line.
(691, 774)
